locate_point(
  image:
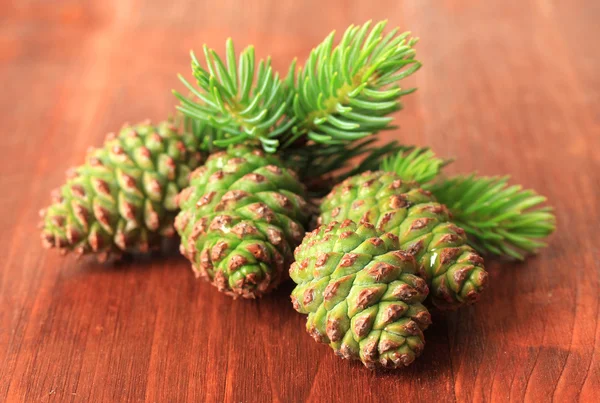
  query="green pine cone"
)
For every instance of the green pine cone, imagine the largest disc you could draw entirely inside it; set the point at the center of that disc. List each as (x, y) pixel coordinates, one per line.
(454, 271)
(240, 219)
(123, 198)
(361, 293)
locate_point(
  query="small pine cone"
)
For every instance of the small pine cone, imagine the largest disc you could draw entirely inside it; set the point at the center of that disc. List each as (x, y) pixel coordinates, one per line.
(454, 271)
(240, 219)
(123, 198)
(362, 295)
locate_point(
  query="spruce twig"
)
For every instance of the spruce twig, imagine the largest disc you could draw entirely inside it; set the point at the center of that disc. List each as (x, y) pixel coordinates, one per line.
(415, 164)
(347, 92)
(342, 94)
(245, 102)
(321, 167)
(500, 219)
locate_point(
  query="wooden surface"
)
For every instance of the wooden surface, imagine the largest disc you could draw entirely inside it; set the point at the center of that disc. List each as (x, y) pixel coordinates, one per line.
(506, 87)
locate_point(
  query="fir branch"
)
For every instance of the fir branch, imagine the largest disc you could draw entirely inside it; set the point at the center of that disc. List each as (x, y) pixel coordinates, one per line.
(206, 134)
(415, 164)
(347, 92)
(244, 102)
(501, 219)
(321, 167)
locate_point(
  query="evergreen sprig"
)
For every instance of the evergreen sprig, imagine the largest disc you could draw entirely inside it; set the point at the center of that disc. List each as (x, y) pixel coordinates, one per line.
(415, 164)
(245, 102)
(206, 134)
(500, 219)
(321, 117)
(321, 167)
(347, 92)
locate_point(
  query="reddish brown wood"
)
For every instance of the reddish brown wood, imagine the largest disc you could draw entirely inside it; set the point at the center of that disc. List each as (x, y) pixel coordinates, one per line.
(506, 87)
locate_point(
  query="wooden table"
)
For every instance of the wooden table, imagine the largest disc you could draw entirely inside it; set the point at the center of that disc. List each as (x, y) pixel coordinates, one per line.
(506, 87)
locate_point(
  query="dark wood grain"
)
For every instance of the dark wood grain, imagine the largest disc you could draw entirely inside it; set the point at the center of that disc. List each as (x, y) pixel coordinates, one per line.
(506, 87)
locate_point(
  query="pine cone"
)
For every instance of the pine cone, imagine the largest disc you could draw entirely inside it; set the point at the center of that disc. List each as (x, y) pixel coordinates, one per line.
(453, 270)
(240, 219)
(123, 197)
(361, 294)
